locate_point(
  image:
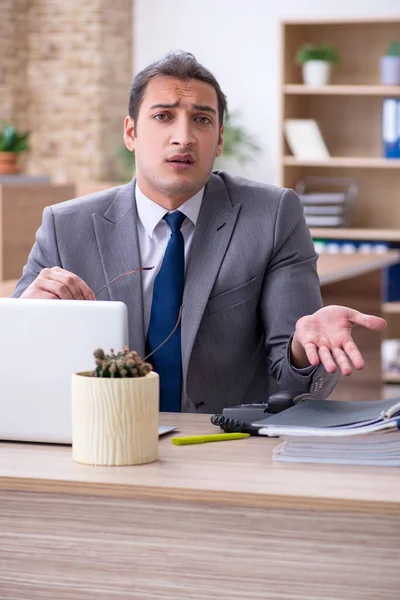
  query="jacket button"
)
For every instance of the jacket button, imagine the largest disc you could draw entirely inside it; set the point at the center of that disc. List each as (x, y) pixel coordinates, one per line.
(318, 384)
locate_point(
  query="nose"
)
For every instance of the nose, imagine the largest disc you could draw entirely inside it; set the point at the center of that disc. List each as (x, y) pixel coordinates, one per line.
(182, 133)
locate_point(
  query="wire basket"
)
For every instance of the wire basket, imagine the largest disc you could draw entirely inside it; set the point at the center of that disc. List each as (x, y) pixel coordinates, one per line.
(327, 201)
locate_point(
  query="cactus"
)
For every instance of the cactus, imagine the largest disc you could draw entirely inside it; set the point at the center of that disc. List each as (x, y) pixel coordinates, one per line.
(124, 364)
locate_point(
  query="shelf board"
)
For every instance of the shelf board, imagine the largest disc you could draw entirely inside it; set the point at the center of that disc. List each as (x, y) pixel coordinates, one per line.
(342, 90)
(391, 377)
(345, 161)
(373, 235)
(326, 21)
(334, 268)
(391, 308)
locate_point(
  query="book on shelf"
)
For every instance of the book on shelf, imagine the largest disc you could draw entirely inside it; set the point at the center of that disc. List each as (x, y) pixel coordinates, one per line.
(305, 140)
(332, 431)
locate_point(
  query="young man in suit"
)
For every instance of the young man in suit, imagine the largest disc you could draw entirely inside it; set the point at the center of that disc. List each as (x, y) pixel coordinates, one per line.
(237, 254)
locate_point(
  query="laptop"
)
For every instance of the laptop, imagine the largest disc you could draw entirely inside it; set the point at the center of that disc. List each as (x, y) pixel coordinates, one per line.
(42, 343)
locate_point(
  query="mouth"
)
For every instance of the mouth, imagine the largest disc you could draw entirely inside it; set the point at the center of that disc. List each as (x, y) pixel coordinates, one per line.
(181, 161)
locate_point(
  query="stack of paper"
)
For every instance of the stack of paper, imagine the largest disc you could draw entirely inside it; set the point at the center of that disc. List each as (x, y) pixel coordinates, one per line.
(328, 431)
(381, 448)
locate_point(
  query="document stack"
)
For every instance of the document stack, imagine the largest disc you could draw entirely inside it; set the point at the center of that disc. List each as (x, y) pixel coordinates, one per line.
(327, 201)
(329, 431)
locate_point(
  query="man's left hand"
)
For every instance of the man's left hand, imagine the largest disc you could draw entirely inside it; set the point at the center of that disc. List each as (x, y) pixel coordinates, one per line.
(325, 337)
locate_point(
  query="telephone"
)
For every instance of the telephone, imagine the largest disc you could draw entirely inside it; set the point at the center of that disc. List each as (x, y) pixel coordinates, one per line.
(240, 418)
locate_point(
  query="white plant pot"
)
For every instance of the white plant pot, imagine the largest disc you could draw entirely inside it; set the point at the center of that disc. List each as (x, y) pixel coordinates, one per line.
(390, 70)
(115, 421)
(316, 72)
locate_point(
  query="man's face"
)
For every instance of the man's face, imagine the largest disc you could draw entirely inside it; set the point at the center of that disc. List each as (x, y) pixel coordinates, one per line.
(178, 136)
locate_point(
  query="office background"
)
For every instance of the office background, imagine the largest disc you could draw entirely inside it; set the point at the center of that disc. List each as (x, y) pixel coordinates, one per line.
(65, 73)
(240, 42)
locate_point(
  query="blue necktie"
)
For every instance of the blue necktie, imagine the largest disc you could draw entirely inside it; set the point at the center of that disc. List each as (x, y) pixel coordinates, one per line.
(167, 300)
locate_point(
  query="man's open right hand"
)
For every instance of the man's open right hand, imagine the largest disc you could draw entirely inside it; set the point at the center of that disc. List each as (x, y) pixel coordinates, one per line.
(58, 284)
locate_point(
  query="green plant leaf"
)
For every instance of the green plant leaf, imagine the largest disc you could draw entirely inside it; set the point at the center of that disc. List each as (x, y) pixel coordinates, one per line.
(11, 140)
(325, 52)
(238, 144)
(393, 49)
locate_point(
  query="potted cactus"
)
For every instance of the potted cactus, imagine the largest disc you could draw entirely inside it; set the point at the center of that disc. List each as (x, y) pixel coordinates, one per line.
(316, 61)
(390, 65)
(115, 411)
(12, 142)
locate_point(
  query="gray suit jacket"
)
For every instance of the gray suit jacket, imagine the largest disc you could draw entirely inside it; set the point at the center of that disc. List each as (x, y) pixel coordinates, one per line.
(251, 275)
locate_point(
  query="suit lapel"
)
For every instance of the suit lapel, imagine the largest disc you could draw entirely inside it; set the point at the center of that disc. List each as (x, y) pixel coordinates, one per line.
(118, 245)
(212, 235)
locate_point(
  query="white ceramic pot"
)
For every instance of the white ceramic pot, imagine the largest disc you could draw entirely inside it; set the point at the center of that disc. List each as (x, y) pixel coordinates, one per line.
(115, 421)
(316, 72)
(390, 70)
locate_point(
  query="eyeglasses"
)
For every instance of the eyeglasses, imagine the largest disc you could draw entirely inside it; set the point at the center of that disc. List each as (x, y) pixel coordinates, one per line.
(180, 310)
(123, 275)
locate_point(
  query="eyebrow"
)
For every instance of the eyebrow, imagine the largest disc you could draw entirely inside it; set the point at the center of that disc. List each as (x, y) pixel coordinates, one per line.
(202, 107)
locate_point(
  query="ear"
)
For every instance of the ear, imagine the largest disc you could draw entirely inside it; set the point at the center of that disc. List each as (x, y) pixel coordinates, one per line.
(220, 142)
(129, 133)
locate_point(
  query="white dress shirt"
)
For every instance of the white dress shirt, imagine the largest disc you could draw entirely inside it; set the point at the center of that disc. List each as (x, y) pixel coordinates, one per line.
(154, 234)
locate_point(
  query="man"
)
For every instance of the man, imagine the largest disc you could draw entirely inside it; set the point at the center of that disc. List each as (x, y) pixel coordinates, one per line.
(237, 254)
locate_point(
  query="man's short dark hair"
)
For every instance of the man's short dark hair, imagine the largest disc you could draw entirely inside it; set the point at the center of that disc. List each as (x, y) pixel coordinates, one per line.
(179, 65)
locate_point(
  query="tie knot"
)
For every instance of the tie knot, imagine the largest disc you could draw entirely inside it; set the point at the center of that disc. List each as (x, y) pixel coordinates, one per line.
(175, 220)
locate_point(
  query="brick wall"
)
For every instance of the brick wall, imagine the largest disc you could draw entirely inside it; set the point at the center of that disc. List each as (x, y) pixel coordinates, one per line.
(65, 72)
(13, 59)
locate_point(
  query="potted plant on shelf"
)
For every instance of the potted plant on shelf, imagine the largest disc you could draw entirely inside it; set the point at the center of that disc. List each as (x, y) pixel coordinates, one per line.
(12, 142)
(390, 65)
(115, 411)
(316, 61)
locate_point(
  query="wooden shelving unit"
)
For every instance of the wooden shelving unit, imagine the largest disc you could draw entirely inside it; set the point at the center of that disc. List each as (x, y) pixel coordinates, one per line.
(341, 90)
(354, 233)
(358, 162)
(349, 114)
(391, 377)
(391, 308)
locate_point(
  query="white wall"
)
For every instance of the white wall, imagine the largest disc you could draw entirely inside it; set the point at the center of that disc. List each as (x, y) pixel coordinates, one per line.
(238, 40)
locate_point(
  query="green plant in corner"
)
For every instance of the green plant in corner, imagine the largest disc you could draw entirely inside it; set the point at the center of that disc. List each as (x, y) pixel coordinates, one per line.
(323, 52)
(123, 364)
(238, 144)
(12, 140)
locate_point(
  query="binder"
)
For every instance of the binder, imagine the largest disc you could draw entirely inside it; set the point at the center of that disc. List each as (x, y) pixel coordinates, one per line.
(391, 128)
(314, 414)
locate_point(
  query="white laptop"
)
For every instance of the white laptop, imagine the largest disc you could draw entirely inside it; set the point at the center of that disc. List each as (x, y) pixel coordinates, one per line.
(42, 343)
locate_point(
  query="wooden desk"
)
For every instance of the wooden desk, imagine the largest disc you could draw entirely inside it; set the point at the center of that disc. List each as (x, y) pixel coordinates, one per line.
(207, 521)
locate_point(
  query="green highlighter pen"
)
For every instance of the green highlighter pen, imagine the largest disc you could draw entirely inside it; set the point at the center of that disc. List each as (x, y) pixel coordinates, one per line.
(201, 439)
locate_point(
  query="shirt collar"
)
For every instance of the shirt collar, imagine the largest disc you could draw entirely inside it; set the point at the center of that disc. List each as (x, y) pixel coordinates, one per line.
(150, 213)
